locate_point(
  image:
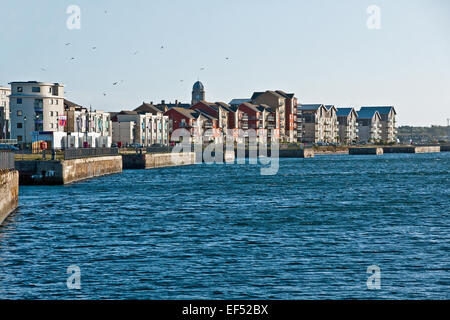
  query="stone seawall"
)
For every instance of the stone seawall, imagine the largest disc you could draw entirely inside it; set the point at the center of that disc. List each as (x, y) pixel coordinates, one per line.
(156, 160)
(9, 192)
(445, 148)
(282, 153)
(62, 172)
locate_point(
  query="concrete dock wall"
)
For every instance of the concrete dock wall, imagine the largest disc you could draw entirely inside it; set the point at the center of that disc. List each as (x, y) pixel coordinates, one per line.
(67, 171)
(286, 153)
(365, 151)
(156, 160)
(9, 192)
(445, 148)
(412, 149)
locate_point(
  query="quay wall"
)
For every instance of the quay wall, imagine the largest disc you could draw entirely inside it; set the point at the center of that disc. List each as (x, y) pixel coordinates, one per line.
(365, 151)
(285, 153)
(38, 172)
(156, 160)
(412, 149)
(445, 148)
(9, 192)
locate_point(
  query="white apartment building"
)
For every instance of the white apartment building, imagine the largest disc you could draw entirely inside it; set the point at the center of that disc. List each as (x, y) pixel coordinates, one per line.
(317, 123)
(5, 126)
(90, 128)
(348, 125)
(369, 126)
(148, 128)
(35, 107)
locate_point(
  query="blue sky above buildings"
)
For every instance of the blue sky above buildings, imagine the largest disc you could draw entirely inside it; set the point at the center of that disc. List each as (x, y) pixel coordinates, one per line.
(321, 50)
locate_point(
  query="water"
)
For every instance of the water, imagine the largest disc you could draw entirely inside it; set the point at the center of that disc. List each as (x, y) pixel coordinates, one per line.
(225, 232)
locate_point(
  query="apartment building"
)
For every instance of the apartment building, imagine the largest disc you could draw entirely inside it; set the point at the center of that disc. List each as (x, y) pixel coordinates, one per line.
(286, 105)
(260, 118)
(37, 107)
(149, 127)
(197, 122)
(86, 127)
(348, 125)
(317, 123)
(388, 122)
(217, 110)
(369, 125)
(5, 125)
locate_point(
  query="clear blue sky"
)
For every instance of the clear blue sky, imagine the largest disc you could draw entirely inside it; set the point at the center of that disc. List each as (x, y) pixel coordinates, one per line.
(320, 50)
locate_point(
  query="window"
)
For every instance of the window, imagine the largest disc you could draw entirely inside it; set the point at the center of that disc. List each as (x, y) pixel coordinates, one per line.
(50, 90)
(19, 138)
(51, 125)
(19, 125)
(51, 113)
(51, 101)
(19, 113)
(19, 89)
(56, 101)
(56, 113)
(19, 100)
(35, 89)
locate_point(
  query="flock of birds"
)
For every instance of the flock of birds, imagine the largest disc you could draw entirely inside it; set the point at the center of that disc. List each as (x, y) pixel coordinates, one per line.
(134, 53)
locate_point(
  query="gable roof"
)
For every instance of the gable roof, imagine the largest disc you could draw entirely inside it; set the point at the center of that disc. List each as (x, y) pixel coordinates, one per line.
(311, 107)
(147, 108)
(380, 109)
(239, 101)
(367, 113)
(343, 112)
(188, 113)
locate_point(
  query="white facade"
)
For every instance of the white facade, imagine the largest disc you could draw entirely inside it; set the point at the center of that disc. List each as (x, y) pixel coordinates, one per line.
(35, 107)
(5, 126)
(148, 128)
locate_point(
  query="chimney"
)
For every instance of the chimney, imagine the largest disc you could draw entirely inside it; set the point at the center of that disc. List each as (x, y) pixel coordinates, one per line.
(151, 102)
(176, 102)
(163, 101)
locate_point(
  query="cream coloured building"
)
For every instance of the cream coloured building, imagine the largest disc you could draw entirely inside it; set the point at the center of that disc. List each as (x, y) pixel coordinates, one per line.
(35, 107)
(317, 123)
(348, 126)
(5, 126)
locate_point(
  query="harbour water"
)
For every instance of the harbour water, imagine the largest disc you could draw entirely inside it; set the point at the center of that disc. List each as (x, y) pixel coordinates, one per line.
(226, 232)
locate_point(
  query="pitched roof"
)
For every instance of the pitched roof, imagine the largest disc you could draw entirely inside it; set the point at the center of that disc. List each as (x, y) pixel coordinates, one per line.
(284, 94)
(70, 104)
(127, 112)
(367, 113)
(310, 106)
(239, 101)
(147, 108)
(188, 113)
(343, 112)
(380, 109)
(252, 106)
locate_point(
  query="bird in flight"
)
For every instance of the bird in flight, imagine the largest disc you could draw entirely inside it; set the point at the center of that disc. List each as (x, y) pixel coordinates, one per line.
(72, 58)
(104, 94)
(162, 47)
(68, 44)
(43, 69)
(136, 52)
(201, 69)
(114, 83)
(93, 48)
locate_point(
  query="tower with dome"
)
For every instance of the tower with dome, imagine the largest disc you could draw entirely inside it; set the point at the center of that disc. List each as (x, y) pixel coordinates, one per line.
(198, 92)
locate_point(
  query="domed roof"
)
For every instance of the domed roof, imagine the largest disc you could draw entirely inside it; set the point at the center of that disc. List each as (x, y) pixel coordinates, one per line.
(198, 86)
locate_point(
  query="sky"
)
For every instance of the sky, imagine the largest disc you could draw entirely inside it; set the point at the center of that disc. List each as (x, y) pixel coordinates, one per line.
(321, 50)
